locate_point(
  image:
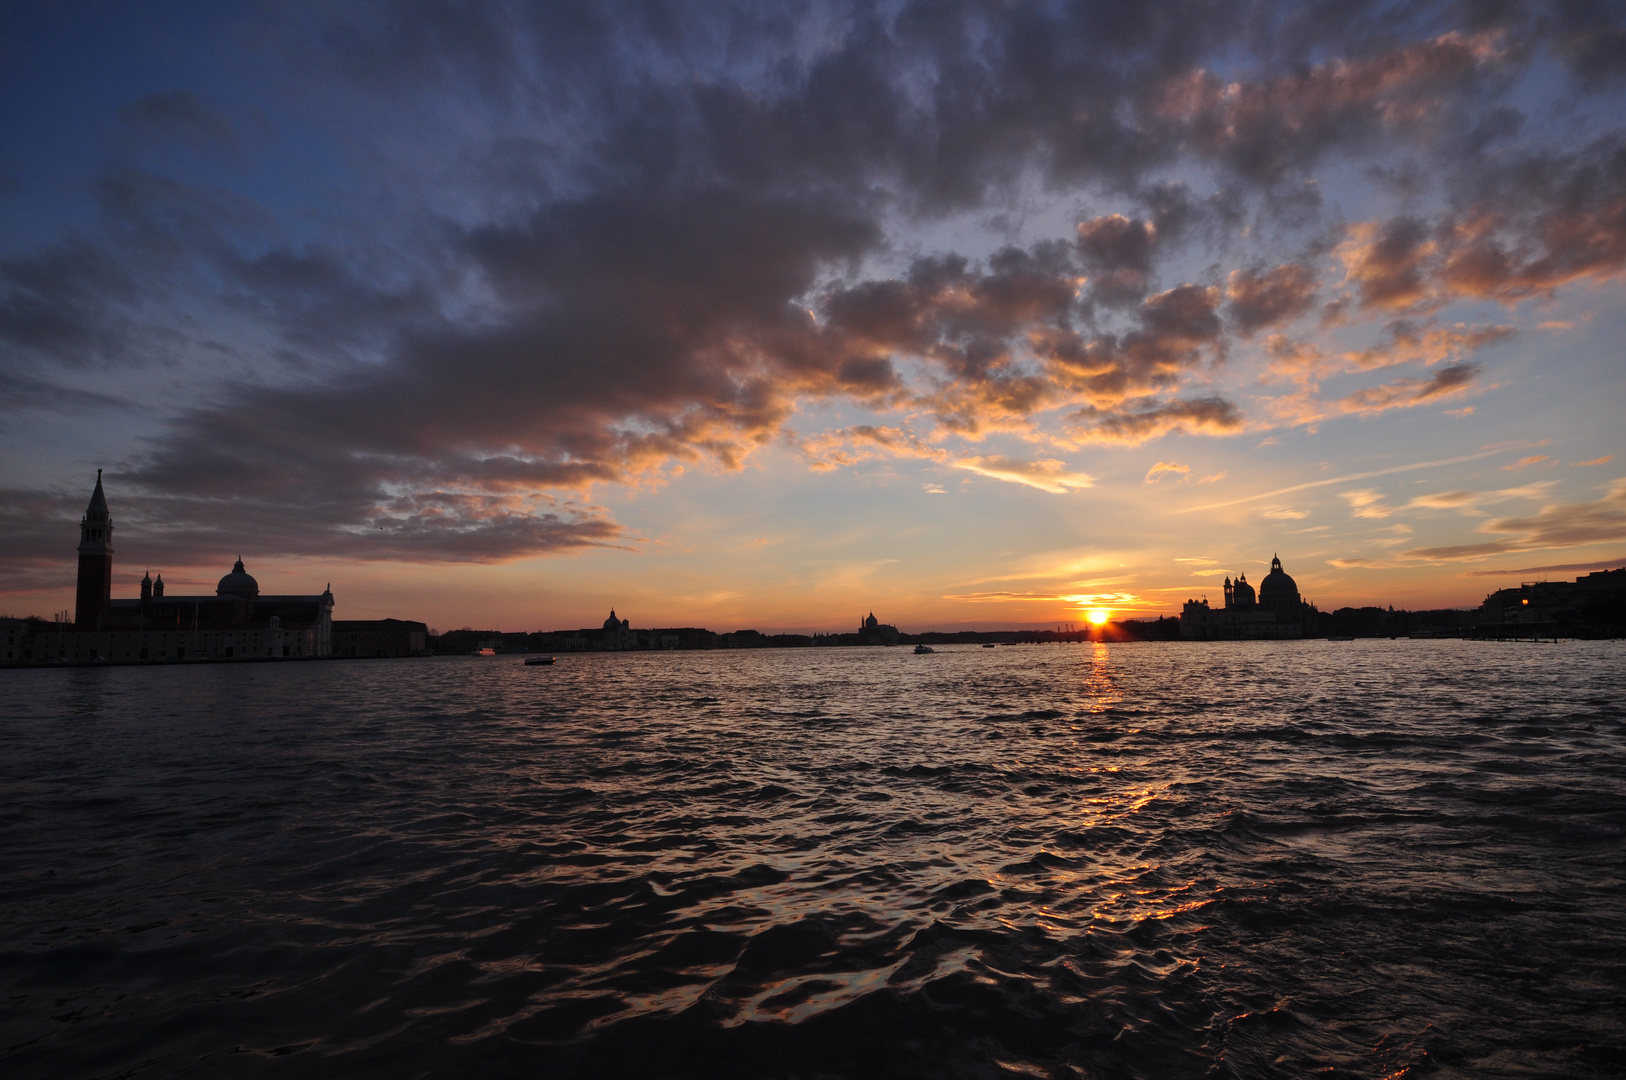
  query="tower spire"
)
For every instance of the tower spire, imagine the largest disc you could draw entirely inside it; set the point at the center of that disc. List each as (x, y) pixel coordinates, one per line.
(95, 585)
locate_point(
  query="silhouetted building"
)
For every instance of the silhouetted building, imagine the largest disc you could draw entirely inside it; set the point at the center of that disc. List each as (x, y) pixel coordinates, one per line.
(236, 623)
(1276, 611)
(680, 637)
(465, 641)
(95, 589)
(871, 631)
(379, 637)
(1596, 601)
(13, 633)
(616, 635)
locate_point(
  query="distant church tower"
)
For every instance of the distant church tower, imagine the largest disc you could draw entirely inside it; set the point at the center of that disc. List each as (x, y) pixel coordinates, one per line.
(95, 560)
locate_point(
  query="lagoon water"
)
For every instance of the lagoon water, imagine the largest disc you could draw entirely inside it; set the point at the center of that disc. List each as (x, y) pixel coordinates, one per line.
(1368, 858)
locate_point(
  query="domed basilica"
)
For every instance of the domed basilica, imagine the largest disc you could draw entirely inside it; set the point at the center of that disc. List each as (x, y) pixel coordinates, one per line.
(1275, 612)
(236, 623)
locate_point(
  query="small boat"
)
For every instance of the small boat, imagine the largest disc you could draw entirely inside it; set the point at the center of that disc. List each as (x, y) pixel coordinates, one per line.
(484, 652)
(921, 650)
(536, 661)
(988, 644)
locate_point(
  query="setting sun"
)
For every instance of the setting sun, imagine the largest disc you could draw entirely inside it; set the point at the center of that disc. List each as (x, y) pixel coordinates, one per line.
(1098, 616)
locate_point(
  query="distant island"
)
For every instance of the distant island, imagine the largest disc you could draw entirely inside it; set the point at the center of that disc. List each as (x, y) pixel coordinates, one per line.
(1592, 607)
(236, 623)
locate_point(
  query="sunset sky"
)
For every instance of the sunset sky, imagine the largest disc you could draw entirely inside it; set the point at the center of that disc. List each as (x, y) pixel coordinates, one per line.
(773, 315)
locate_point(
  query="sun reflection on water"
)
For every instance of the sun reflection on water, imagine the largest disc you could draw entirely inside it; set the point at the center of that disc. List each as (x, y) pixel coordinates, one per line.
(1101, 687)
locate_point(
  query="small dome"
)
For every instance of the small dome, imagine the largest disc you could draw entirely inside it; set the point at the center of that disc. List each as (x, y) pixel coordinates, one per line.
(1242, 592)
(238, 583)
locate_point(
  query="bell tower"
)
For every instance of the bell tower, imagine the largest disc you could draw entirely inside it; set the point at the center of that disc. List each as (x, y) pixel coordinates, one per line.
(95, 560)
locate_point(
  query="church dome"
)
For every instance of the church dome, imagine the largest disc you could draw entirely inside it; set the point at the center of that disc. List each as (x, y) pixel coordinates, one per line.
(238, 583)
(1278, 589)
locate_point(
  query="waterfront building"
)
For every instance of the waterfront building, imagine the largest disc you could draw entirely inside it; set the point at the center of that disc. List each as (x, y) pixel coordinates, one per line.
(680, 637)
(1276, 611)
(1594, 601)
(871, 631)
(380, 637)
(616, 635)
(13, 633)
(236, 623)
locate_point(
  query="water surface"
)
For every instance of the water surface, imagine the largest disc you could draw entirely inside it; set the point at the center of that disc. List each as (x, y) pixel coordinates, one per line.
(1143, 860)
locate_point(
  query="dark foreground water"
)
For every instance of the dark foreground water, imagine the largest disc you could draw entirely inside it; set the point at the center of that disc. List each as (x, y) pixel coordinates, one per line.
(1149, 860)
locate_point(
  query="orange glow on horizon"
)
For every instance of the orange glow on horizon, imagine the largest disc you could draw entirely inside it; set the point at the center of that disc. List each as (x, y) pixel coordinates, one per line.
(1098, 616)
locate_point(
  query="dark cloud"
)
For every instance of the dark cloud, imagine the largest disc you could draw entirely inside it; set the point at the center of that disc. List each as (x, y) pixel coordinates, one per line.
(969, 324)
(1266, 129)
(1590, 36)
(942, 104)
(1113, 243)
(1388, 263)
(1520, 227)
(1539, 222)
(66, 304)
(22, 394)
(1261, 298)
(1450, 380)
(1210, 415)
(1118, 253)
(182, 115)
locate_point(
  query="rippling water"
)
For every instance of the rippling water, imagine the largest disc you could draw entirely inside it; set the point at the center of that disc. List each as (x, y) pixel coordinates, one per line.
(1143, 860)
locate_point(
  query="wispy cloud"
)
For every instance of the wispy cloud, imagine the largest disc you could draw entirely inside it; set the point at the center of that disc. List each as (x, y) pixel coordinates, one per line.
(1413, 467)
(1443, 500)
(1166, 468)
(1406, 393)
(1559, 525)
(1046, 475)
(1558, 568)
(1366, 503)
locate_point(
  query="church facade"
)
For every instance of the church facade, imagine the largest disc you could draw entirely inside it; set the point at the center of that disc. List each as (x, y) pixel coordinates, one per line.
(875, 632)
(1276, 611)
(617, 635)
(236, 623)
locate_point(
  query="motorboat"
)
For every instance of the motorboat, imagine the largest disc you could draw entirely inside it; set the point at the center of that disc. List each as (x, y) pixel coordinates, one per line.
(484, 652)
(921, 650)
(988, 645)
(538, 661)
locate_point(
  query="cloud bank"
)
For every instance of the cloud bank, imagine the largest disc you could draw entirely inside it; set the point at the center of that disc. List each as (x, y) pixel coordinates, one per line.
(621, 238)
